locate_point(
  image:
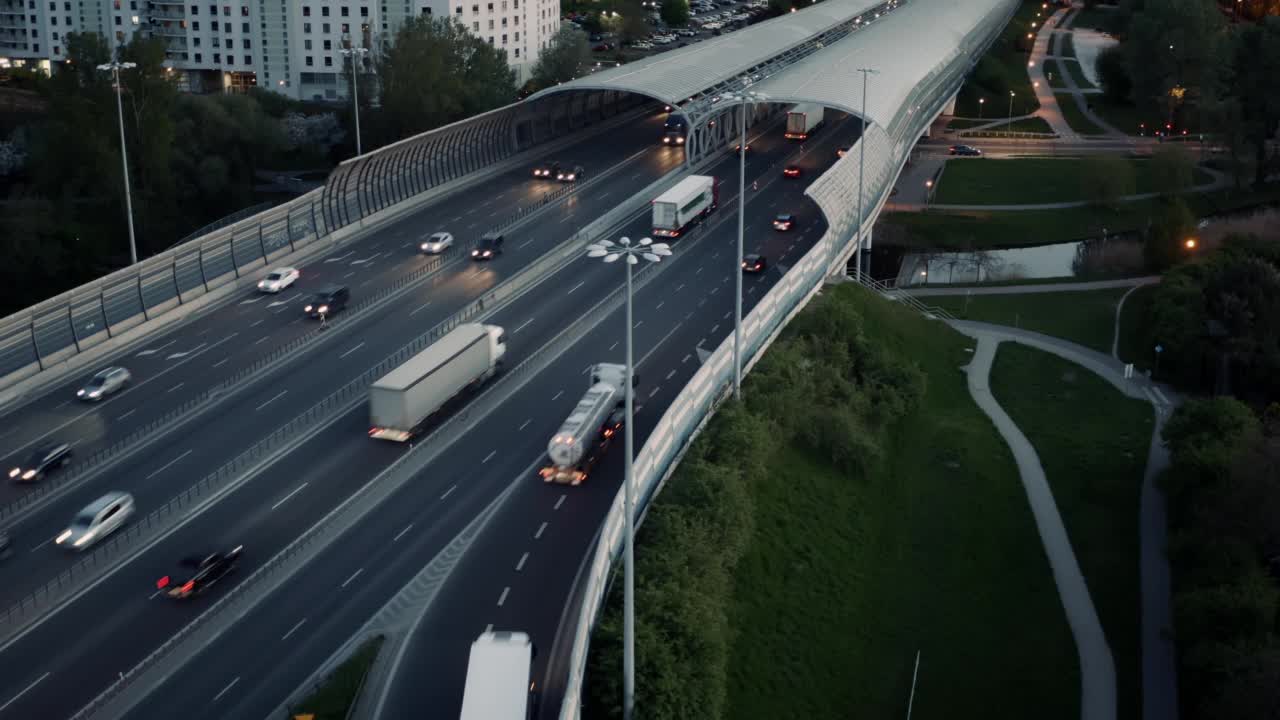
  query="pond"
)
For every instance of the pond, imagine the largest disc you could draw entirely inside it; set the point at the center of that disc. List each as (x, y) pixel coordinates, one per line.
(1086, 258)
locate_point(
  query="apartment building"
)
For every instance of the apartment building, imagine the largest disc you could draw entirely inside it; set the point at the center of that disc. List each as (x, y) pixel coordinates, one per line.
(292, 47)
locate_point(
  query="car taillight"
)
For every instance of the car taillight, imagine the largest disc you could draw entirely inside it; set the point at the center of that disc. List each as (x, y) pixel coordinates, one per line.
(188, 587)
(162, 583)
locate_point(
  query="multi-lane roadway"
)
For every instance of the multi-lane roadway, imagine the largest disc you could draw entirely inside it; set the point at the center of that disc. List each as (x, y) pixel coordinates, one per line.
(246, 671)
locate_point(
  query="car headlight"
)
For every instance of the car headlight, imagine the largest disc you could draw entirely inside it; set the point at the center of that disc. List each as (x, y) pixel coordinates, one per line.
(323, 309)
(63, 537)
(80, 393)
(426, 246)
(307, 309)
(15, 472)
(28, 474)
(571, 177)
(95, 393)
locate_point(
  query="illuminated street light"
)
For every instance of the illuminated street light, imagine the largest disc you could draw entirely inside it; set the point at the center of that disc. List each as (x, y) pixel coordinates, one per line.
(1190, 243)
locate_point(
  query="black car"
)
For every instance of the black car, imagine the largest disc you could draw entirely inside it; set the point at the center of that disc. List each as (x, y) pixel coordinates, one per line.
(569, 175)
(784, 222)
(547, 170)
(45, 458)
(754, 263)
(489, 247)
(327, 301)
(4, 543)
(966, 150)
(206, 571)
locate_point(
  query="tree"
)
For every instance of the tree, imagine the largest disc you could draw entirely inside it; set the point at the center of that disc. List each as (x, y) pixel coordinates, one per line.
(1177, 53)
(435, 72)
(563, 58)
(1166, 237)
(1256, 67)
(1113, 74)
(630, 23)
(1108, 179)
(779, 7)
(675, 12)
(1173, 169)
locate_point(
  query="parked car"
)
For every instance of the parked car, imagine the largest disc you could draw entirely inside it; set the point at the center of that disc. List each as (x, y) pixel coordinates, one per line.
(107, 382)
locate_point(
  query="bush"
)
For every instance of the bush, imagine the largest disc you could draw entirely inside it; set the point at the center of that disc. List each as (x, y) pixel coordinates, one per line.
(1166, 237)
(1108, 179)
(1113, 73)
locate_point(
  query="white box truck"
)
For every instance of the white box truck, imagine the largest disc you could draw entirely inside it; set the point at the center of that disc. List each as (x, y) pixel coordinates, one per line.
(398, 402)
(585, 435)
(691, 199)
(802, 120)
(498, 678)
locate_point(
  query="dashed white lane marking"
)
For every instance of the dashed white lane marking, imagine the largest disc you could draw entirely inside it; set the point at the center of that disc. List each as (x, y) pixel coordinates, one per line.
(261, 340)
(715, 290)
(686, 359)
(472, 226)
(541, 528)
(351, 351)
(354, 575)
(680, 288)
(664, 302)
(1163, 400)
(726, 315)
(559, 502)
(566, 219)
(604, 195)
(25, 690)
(525, 243)
(226, 689)
(294, 629)
(125, 415)
(714, 328)
(353, 272)
(557, 397)
(258, 323)
(168, 465)
(522, 326)
(421, 307)
(222, 362)
(699, 270)
(575, 287)
(520, 565)
(400, 534)
(671, 375)
(448, 492)
(279, 395)
(503, 598)
(489, 457)
(654, 391)
(175, 387)
(285, 499)
(639, 323)
(611, 347)
(525, 425)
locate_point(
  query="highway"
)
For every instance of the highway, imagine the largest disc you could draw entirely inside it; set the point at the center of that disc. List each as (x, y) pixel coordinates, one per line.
(687, 307)
(111, 628)
(161, 471)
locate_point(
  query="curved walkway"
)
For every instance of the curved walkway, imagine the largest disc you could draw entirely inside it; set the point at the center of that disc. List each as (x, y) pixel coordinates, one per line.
(1097, 667)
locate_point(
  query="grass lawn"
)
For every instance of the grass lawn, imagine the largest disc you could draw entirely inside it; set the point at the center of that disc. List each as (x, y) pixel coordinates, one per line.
(848, 577)
(1002, 69)
(1098, 18)
(1086, 317)
(1025, 181)
(1092, 442)
(333, 698)
(1136, 342)
(965, 123)
(1075, 117)
(1077, 74)
(1053, 73)
(1067, 45)
(1030, 125)
(1125, 116)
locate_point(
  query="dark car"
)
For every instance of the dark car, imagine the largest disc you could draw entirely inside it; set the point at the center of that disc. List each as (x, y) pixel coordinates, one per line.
(327, 301)
(45, 458)
(569, 175)
(784, 221)
(4, 543)
(547, 170)
(673, 137)
(738, 147)
(754, 264)
(840, 151)
(791, 171)
(206, 571)
(489, 247)
(602, 47)
(966, 150)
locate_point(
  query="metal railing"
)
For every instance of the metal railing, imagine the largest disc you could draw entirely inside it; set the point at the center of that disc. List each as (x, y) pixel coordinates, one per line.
(887, 289)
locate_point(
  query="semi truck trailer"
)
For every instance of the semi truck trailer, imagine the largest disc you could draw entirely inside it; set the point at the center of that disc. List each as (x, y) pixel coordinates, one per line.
(585, 435)
(499, 684)
(692, 199)
(401, 400)
(802, 120)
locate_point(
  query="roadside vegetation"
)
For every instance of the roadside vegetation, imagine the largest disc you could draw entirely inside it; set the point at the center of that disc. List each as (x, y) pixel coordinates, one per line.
(856, 508)
(1086, 317)
(1092, 441)
(1027, 181)
(334, 697)
(1004, 68)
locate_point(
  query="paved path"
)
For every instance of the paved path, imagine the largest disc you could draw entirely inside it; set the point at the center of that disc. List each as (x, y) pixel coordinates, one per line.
(1079, 94)
(1049, 109)
(1134, 282)
(1097, 668)
(1219, 181)
(1159, 671)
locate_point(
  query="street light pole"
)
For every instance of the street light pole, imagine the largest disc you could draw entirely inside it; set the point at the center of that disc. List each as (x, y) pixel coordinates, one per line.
(744, 97)
(862, 165)
(356, 54)
(631, 255)
(1010, 120)
(115, 68)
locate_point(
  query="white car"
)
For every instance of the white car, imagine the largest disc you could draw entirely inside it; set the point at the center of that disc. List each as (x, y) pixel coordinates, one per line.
(436, 243)
(98, 520)
(278, 279)
(106, 382)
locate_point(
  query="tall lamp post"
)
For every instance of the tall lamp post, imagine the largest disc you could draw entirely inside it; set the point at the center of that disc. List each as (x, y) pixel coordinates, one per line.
(743, 98)
(862, 165)
(1009, 121)
(115, 68)
(650, 251)
(357, 57)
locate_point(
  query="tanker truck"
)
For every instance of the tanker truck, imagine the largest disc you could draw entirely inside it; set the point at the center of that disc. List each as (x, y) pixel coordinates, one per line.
(585, 435)
(401, 400)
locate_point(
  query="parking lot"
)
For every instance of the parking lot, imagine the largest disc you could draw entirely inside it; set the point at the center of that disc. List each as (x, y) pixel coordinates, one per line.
(707, 18)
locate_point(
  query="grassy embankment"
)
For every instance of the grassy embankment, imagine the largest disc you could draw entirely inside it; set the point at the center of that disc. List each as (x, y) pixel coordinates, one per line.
(1086, 317)
(333, 698)
(1028, 181)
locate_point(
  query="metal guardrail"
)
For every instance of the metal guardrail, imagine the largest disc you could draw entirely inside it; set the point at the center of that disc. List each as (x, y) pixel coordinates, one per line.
(1012, 134)
(224, 221)
(888, 289)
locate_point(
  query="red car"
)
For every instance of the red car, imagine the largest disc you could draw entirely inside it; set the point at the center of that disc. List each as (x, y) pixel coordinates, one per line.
(791, 171)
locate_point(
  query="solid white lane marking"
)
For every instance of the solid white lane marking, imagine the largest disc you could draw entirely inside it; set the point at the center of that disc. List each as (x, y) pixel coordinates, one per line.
(279, 395)
(226, 689)
(575, 287)
(285, 499)
(294, 629)
(125, 415)
(447, 492)
(541, 528)
(354, 575)
(489, 457)
(340, 258)
(402, 532)
(522, 326)
(351, 351)
(362, 261)
(421, 307)
(557, 397)
(520, 565)
(559, 502)
(175, 387)
(167, 465)
(503, 597)
(1163, 400)
(525, 425)
(184, 353)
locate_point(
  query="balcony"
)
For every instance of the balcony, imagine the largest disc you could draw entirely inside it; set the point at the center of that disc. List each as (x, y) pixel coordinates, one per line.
(6, 44)
(11, 23)
(169, 30)
(178, 12)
